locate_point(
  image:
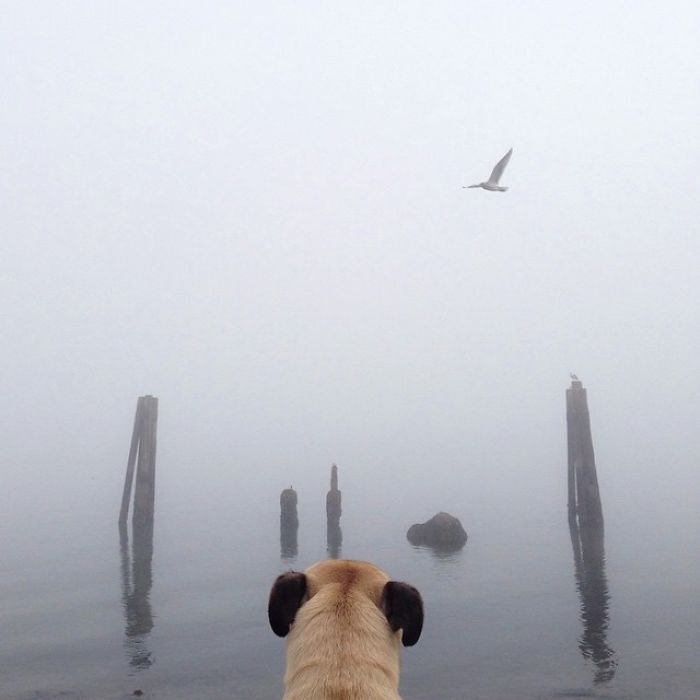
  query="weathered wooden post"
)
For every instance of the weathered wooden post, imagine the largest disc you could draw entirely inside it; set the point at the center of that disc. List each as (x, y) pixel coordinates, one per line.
(142, 457)
(334, 534)
(584, 495)
(288, 509)
(145, 488)
(289, 523)
(333, 497)
(131, 462)
(587, 535)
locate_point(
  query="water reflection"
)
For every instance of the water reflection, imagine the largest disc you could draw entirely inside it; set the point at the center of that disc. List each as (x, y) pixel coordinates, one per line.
(334, 538)
(442, 554)
(137, 580)
(592, 585)
(288, 542)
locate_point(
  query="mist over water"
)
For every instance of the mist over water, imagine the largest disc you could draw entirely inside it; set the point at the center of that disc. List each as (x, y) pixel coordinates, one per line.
(513, 614)
(256, 215)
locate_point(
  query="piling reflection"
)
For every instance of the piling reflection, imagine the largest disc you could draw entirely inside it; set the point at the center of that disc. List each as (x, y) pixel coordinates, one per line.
(592, 585)
(137, 580)
(334, 538)
(288, 543)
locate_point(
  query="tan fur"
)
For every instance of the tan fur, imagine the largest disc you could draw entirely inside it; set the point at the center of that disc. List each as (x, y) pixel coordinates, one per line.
(340, 646)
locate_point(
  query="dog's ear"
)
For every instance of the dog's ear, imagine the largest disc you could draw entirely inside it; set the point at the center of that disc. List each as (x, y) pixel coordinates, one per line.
(403, 607)
(286, 595)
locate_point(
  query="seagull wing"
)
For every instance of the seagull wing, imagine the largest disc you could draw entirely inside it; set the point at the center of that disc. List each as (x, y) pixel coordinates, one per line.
(500, 167)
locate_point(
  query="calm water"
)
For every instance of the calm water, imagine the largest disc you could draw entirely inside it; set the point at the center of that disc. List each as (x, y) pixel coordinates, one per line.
(85, 615)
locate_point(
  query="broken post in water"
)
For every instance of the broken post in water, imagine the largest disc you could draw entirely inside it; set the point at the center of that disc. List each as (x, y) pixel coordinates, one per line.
(334, 535)
(588, 536)
(333, 497)
(142, 461)
(289, 523)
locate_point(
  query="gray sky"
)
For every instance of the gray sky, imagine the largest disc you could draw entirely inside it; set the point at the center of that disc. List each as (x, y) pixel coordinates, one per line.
(254, 211)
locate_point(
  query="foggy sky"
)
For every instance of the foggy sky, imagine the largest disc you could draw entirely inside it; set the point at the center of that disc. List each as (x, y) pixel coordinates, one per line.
(255, 213)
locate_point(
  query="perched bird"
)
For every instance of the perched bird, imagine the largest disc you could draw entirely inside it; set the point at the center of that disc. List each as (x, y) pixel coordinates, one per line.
(492, 183)
(574, 377)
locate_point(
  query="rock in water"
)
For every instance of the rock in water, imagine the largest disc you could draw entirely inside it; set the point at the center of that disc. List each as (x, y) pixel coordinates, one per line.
(442, 531)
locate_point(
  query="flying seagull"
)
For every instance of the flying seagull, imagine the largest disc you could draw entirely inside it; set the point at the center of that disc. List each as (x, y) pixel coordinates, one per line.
(492, 183)
(574, 377)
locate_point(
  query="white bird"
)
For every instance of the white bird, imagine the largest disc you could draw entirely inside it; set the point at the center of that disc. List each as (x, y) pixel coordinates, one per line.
(492, 183)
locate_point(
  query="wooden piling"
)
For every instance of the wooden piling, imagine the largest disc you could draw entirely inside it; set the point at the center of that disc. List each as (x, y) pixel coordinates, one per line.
(583, 492)
(145, 487)
(587, 536)
(333, 497)
(289, 524)
(334, 534)
(142, 459)
(131, 462)
(288, 509)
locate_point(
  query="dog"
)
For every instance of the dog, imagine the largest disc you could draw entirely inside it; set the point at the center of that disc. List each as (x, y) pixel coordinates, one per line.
(345, 621)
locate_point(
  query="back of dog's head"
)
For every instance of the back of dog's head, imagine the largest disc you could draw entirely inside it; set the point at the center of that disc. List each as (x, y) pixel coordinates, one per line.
(400, 603)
